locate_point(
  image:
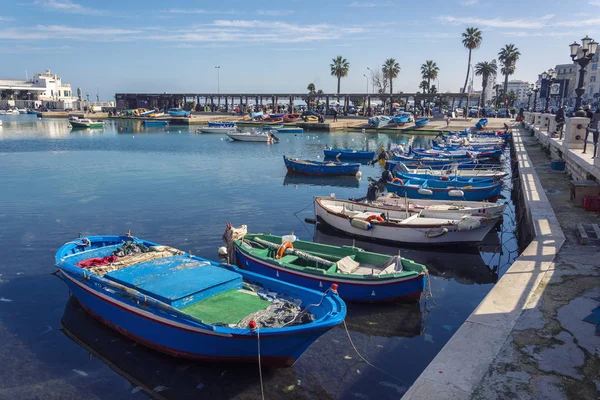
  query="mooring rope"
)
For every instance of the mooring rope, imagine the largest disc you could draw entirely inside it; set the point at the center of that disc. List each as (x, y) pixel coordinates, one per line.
(262, 390)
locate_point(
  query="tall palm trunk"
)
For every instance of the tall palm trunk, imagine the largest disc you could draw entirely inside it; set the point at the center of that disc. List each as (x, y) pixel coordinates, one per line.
(339, 79)
(429, 85)
(483, 88)
(391, 92)
(468, 69)
(506, 86)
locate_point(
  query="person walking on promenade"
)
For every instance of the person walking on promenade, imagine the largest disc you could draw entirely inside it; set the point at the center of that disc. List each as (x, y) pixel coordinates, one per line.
(335, 115)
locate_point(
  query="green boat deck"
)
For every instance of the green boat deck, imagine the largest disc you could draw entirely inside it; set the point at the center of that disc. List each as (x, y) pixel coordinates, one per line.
(229, 307)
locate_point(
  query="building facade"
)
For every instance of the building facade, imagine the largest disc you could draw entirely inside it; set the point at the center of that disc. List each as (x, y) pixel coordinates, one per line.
(591, 81)
(567, 75)
(43, 90)
(520, 88)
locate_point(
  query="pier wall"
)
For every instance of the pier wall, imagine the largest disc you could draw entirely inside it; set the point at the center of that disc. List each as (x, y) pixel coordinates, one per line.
(460, 366)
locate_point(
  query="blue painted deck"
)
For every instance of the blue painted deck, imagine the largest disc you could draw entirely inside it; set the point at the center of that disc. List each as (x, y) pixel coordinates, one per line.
(177, 280)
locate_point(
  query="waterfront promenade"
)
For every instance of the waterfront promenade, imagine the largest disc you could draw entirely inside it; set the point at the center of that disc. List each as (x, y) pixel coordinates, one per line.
(527, 339)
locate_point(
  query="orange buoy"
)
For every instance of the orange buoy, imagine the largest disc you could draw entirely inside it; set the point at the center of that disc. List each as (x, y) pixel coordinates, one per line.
(398, 181)
(375, 217)
(282, 248)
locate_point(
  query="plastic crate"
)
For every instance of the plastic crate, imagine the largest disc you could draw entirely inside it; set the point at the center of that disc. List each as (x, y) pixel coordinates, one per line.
(591, 203)
(558, 165)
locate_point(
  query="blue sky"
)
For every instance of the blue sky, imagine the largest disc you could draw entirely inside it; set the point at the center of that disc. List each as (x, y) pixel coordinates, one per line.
(173, 46)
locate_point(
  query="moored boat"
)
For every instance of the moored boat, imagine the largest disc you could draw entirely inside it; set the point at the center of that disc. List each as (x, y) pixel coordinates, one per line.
(492, 171)
(310, 118)
(221, 124)
(401, 119)
(291, 117)
(148, 122)
(216, 129)
(379, 121)
(349, 154)
(85, 123)
(190, 307)
(265, 137)
(481, 124)
(320, 168)
(32, 112)
(361, 276)
(289, 130)
(440, 207)
(381, 223)
(443, 190)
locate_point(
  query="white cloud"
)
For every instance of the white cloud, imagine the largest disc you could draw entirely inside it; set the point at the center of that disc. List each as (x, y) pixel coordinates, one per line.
(37, 49)
(594, 3)
(67, 6)
(469, 2)
(368, 4)
(580, 22)
(274, 13)
(493, 22)
(7, 19)
(46, 32)
(539, 34)
(197, 11)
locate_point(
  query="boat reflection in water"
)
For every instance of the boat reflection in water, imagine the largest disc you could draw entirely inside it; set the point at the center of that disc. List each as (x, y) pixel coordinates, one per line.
(466, 265)
(386, 319)
(161, 376)
(334, 181)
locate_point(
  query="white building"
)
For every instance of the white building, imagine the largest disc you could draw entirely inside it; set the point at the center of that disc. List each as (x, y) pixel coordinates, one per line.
(520, 88)
(43, 90)
(591, 81)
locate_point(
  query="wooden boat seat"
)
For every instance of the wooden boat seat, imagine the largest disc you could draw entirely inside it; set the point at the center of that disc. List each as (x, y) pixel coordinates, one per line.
(347, 265)
(176, 280)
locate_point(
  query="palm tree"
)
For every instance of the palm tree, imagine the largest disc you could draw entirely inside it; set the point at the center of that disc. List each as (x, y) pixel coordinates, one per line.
(390, 70)
(508, 57)
(311, 88)
(485, 70)
(424, 85)
(429, 70)
(471, 40)
(339, 69)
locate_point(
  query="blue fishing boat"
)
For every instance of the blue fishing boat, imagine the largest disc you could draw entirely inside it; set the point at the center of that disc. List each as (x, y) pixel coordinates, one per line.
(221, 124)
(289, 130)
(433, 164)
(326, 168)
(471, 147)
(147, 113)
(349, 154)
(190, 307)
(406, 176)
(155, 123)
(178, 112)
(431, 161)
(421, 122)
(401, 119)
(271, 127)
(33, 112)
(379, 121)
(362, 276)
(443, 190)
(276, 116)
(481, 123)
(456, 154)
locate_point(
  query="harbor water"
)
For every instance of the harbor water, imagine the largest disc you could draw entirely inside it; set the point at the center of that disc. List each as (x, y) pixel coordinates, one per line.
(172, 186)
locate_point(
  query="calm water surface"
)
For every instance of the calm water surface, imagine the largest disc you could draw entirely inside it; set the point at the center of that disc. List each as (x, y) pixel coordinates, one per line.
(177, 188)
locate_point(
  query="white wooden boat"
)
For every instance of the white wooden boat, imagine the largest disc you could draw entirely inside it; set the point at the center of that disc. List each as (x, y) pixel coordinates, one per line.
(479, 208)
(22, 110)
(483, 172)
(216, 129)
(265, 137)
(384, 224)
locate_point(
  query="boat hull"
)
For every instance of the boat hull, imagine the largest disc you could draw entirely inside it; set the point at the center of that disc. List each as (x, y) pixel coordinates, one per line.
(349, 154)
(470, 194)
(209, 129)
(319, 168)
(156, 123)
(414, 235)
(163, 335)
(250, 138)
(401, 289)
(464, 207)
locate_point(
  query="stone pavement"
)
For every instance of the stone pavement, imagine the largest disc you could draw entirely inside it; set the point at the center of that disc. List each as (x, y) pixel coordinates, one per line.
(551, 353)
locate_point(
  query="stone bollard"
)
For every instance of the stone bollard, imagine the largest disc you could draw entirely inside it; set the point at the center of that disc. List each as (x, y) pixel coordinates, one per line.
(575, 132)
(544, 122)
(536, 122)
(551, 126)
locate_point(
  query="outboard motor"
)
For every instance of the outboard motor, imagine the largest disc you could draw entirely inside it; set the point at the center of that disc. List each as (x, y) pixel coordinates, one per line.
(386, 176)
(373, 191)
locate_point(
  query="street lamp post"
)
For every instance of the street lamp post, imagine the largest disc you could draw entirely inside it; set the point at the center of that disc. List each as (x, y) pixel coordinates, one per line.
(535, 92)
(372, 80)
(548, 77)
(582, 54)
(366, 95)
(218, 68)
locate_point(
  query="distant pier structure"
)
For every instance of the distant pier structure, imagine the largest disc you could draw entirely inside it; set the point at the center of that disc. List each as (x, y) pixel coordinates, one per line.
(246, 101)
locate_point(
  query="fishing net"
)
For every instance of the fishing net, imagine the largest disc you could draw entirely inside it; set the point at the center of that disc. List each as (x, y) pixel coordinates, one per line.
(152, 253)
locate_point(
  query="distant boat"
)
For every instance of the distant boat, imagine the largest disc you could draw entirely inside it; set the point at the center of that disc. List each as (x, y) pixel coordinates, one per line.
(379, 121)
(22, 110)
(271, 127)
(401, 118)
(349, 154)
(264, 137)
(194, 308)
(221, 124)
(291, 117)
(276, 116)
(319, 168)
(258, 114)
(385, 225)
(155, 123)
(216, 129)
(360, 275)
(289, 130)
(421, 122)
(310, 118)
(147, 113)
(85, 123)
(178, 112)
(32, 112)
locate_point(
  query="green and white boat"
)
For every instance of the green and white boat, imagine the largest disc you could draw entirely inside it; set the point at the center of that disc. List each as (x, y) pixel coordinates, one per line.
(85, 123)
(359, 275)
